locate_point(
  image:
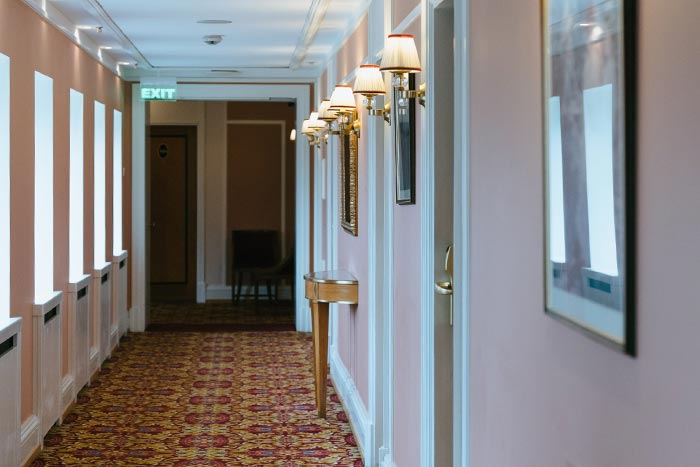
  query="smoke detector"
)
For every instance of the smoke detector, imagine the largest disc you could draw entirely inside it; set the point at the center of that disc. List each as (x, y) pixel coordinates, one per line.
(213, 39)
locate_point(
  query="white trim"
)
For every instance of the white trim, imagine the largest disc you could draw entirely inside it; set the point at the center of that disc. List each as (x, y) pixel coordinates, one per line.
(30, 438)
(460, 360)
(333, 209)
(360, 11)
(225, 92)
(352, 401)
(426, 197)
(460, 241)
(139, 210)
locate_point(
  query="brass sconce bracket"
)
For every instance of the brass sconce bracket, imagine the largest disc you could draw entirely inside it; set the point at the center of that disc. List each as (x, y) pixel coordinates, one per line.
(385, 112)
(415, 94)
(349, 121)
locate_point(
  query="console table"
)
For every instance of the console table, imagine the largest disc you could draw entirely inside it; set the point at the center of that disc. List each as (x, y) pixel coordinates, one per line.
(322, 288)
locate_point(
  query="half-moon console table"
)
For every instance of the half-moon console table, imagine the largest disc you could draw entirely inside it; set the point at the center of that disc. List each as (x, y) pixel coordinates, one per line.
(322, 288)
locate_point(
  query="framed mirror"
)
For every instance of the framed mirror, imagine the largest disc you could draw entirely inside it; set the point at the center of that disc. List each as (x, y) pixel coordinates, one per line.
(404, 125)
(589, 106)
(348, 181)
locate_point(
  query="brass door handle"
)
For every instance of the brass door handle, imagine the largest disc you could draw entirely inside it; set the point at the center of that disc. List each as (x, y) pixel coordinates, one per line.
(443, 287)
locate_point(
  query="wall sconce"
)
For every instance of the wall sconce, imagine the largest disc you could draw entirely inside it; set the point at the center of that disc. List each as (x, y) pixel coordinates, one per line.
(329, 116)
(370, 83)
(401, 58)
(343, 103)
(316, 127)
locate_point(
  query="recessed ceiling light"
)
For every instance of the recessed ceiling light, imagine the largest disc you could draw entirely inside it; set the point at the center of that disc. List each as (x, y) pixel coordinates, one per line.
(214, 21)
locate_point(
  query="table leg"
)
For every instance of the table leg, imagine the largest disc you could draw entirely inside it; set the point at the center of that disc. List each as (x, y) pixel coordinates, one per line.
(319, 318)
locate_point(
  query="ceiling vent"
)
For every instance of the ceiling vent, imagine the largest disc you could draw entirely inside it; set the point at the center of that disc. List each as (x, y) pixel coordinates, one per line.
(213, 39)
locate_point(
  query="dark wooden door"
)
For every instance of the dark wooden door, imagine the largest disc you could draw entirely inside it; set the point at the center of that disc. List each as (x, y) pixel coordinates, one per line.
(173, 253)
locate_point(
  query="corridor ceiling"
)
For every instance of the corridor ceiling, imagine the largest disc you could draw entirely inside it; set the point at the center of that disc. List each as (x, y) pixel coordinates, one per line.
(261, 39)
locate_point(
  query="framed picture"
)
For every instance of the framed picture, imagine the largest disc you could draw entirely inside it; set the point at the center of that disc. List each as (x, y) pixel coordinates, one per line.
(404, 116)
(589, 159)
(348, 181)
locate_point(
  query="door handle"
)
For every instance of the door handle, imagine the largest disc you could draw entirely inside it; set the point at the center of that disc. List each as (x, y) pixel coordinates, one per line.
(443, 287)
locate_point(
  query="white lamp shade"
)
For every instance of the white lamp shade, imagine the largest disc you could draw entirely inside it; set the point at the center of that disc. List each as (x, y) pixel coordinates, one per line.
(369, 81)
(317, 124)
(305, 130)
(325, 113)
(400, 54)
(343, 99)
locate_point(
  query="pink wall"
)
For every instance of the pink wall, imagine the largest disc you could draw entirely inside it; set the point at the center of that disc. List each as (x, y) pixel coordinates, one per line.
(32, 44)
(543, 394)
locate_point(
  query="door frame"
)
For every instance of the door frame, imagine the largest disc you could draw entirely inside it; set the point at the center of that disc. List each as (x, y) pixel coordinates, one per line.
(461, 239)
(220, 92)
(193, 162)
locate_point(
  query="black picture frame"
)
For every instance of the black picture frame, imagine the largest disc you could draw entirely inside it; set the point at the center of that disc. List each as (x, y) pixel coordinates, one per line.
(404, 125)
(589, 53)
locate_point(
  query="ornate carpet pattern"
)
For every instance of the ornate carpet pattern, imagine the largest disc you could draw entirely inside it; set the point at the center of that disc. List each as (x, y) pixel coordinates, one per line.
(204, 399)
(222, 316)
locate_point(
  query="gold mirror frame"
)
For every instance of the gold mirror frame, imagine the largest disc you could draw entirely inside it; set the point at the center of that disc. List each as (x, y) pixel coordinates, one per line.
(348, 181)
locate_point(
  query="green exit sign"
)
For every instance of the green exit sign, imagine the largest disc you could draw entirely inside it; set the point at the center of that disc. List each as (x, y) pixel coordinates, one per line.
(158, 93)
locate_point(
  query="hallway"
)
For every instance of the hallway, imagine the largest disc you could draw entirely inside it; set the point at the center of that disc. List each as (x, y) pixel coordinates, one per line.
(204, 398)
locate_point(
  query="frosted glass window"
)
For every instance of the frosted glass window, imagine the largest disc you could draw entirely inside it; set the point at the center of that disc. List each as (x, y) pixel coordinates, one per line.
(4, 187)
(598, 120)
(557, 232)
(77, 180)
(117, 185)
(100, 190)
(43, 187)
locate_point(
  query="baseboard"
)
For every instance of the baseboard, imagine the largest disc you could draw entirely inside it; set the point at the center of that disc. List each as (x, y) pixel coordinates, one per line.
(114, 338)
(30, 439)
(387, 461)
(137, 319)
(123, 322)
(223, 292)
(94, 360)
(201, 292)
(67, 393)
(350, 396)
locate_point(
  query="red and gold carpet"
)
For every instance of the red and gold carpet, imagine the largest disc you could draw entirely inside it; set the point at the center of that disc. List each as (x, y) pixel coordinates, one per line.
(204, 399)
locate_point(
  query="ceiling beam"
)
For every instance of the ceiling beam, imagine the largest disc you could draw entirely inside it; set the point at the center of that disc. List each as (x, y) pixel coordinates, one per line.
(313, 22)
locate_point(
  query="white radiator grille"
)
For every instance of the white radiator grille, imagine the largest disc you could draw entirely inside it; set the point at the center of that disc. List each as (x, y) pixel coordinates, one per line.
(10, 393)
(47, 361)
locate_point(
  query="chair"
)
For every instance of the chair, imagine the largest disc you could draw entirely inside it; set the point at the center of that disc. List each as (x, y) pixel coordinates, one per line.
(251, 250)
(281, 271)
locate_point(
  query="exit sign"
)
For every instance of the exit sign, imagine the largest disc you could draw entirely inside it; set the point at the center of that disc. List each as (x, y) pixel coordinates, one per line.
(158, 93)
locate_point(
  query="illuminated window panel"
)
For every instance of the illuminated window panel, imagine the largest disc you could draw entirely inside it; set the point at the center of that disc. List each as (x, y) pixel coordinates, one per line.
(117, 185)
(598, 119)
(100, 190)
(4, 187)
(76, 253)
(557, 240)
(43, 187)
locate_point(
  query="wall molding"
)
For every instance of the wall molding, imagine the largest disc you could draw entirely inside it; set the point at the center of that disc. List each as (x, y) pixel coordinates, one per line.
(30, 439)
(224, 92)
(68, 393)
(352, 401)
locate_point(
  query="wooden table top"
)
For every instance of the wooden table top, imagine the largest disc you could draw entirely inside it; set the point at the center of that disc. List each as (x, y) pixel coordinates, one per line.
(338, 277)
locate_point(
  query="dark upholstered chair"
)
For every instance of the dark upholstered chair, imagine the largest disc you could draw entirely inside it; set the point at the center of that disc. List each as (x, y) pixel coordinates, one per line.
(284, 270)
(251, 250)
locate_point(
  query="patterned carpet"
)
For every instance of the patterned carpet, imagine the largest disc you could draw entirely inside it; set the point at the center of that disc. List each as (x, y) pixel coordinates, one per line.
(222, 316)
(204, 399)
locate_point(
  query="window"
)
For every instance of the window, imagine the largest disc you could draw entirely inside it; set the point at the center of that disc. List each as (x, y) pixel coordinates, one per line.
(4, 187)
(43, 187)
(557, 240)
(117, 185)
(100, 190)
(76, 253)
(598, 120)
